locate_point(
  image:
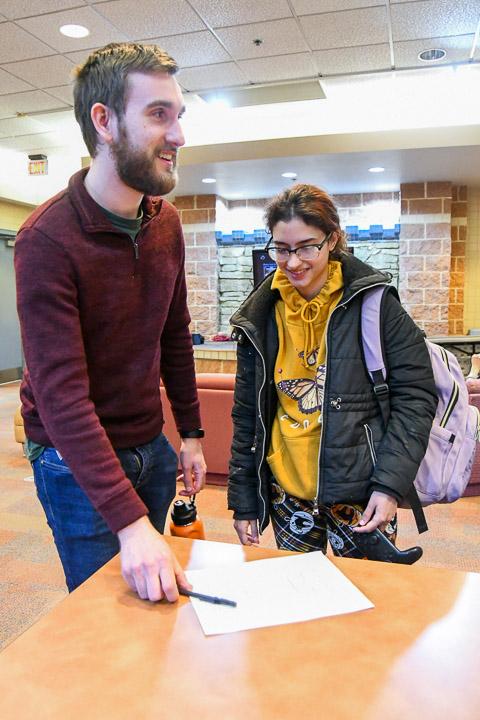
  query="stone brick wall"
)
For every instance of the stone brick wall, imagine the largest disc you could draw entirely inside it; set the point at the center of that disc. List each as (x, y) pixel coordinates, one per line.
(428, 266)
(425, 253)
(235, 262)
(197, 214)
(235, 280)
(236, 274)
(456, 306)
(381, 255)
(472, 261)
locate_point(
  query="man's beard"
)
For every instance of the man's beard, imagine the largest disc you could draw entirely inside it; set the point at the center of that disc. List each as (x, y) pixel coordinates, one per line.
(136, 168)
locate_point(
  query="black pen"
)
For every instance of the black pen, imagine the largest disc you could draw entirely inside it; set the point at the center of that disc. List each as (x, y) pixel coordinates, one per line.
(208, 598)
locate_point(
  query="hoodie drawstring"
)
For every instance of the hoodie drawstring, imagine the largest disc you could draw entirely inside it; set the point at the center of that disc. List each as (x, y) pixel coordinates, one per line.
(309, 314)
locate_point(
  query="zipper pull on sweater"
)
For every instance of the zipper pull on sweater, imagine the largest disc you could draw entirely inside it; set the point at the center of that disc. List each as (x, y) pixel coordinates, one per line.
(136, 249)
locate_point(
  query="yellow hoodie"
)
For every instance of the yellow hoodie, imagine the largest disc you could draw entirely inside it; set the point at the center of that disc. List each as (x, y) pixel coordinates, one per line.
(299, 379)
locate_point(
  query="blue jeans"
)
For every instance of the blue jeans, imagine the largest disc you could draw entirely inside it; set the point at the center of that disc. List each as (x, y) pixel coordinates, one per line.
(83, 539)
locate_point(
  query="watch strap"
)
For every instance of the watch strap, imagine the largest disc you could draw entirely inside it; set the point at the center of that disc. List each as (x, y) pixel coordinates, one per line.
(187, 434)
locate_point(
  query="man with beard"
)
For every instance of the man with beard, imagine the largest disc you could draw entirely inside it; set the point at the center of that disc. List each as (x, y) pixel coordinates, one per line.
(102, 303)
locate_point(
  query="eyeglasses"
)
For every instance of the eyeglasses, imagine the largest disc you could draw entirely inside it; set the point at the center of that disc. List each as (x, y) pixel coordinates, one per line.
(306, 252)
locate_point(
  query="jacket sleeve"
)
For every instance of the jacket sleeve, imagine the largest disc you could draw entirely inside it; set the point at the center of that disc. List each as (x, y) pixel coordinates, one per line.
(413, 401)
(242, 480)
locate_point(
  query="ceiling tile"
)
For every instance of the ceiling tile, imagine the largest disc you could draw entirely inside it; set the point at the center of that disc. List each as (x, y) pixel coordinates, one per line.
(211, 76)
(47, 28)
(151, 18)
(346, 29)
(31, 142)
(62, 121)
(232, 12)
(19, 126)
(281, 67)
(79, 56)
(43, 72)
(457, 47)
(274, 34)
(353, 60)
(311, 7)
(14, 9)
(63, 92)
(10, 84)
(434, 18)
(197, 48)
(27, 102)
(16, 44)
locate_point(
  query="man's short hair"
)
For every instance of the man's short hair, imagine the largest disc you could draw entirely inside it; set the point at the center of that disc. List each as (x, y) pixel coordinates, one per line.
(103, 78)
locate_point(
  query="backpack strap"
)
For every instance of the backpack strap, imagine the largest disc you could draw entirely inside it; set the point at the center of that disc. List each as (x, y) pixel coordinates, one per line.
(373, 347)
(376, 368)
(417, 509)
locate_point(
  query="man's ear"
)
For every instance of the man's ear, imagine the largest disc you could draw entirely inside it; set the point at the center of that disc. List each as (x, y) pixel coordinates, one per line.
(103, 120)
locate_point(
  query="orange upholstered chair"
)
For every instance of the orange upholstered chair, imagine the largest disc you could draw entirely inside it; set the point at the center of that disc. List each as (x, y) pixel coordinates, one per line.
(18, 428)
(215, 392)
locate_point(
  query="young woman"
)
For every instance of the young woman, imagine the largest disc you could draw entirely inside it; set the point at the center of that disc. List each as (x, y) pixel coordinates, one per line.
(309, 449)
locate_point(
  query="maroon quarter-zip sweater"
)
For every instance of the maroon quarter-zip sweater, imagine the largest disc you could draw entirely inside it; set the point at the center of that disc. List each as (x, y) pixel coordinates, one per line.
(101, 320)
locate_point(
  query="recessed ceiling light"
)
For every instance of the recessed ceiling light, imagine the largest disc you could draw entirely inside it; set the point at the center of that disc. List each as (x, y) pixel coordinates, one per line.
(290, 175)
(75, 31)
(376, 169)
(208, 180)
(432, 55)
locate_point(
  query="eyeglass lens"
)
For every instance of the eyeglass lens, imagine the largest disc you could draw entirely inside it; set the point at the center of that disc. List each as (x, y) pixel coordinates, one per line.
(308, 252)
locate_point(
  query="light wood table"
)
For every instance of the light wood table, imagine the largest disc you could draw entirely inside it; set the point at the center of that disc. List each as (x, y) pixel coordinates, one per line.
(103, 654)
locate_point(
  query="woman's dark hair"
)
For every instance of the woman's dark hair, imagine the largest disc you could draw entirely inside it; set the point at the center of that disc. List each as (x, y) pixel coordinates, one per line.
(310, 204)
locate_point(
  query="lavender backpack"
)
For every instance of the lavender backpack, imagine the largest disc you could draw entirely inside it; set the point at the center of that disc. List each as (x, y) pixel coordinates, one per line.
(445, 469)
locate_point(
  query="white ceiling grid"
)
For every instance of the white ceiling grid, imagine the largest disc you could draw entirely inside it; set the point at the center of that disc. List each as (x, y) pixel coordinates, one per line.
(214, 43)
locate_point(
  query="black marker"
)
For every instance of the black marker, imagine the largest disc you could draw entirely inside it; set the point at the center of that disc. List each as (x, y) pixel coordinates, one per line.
(208, 598)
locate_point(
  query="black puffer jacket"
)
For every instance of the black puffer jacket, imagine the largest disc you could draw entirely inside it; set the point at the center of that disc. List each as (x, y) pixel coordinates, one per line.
(351, 415)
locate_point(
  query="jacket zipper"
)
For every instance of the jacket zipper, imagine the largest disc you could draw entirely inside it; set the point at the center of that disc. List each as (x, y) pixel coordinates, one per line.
(263, 424)
(136, 249)
(316, 510)
(136, 253)
(316, 499)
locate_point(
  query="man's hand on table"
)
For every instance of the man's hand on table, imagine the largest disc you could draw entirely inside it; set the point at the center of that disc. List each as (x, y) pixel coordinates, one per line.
(193, 464)
(148, 564)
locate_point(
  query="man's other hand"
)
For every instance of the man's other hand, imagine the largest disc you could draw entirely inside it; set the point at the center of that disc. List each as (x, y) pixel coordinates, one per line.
(193, 465)
(148, 565)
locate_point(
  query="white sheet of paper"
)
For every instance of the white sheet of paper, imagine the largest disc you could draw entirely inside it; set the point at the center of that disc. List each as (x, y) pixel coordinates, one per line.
(274, 592)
